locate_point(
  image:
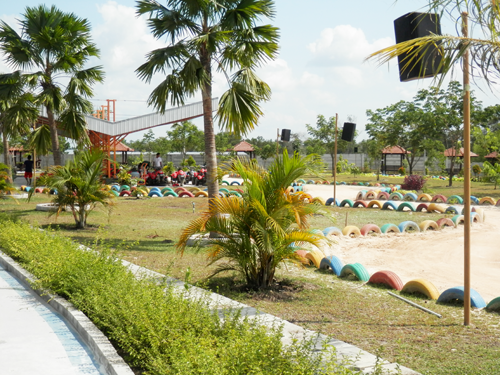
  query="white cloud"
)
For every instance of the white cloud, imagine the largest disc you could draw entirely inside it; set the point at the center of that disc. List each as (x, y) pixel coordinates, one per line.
(343, 45)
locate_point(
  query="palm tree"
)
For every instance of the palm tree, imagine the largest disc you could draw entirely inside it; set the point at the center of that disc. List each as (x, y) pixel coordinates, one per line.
(78, 185)
(17, 111)
(206, 35)
(54, 45)
(261, 230)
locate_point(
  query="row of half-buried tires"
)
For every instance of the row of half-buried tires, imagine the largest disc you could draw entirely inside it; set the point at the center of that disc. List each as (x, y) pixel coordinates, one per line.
(405, 226)
(392, 280)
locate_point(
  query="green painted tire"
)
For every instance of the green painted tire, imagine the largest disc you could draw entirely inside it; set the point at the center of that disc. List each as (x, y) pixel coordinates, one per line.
(357, 270)
(390, 228)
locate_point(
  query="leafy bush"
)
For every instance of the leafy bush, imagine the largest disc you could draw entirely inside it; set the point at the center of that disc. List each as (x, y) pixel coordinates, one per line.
(402, 171)
(477, 170)
(413, 182)
(155, 328)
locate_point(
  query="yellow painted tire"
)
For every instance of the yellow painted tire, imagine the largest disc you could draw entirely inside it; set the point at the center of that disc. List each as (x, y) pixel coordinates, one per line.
(201, 194)
(318, 200)
(436, 207)
(375, 203)
(289, 190)
(487, 200)
(421, 286)
(351, 231)
(372, 194)
(478, 210)
(424, 198)
(193, 189)
(428, 224)
(315, 257)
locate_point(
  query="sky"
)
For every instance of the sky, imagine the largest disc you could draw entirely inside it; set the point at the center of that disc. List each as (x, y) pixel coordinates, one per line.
(320, 69)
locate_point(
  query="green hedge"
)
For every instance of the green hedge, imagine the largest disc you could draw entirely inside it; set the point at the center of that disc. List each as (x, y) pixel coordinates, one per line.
(155, 329)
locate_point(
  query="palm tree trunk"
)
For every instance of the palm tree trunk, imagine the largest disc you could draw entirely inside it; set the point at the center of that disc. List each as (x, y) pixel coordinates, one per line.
(6, 157)
(210, 150)
(54, 138)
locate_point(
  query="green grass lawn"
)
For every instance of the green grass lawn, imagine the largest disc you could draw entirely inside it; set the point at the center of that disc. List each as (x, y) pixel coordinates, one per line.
(145, 232)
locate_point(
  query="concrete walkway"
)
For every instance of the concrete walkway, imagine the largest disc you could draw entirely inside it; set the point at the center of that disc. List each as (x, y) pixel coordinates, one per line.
(35, 339)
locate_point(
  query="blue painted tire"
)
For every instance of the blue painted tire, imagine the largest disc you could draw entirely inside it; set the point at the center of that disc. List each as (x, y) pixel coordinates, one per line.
(235, 183)
(332, 262)
(115, 188)
(458, 293)
(390, 228)
(154, 193)
(155, 189)
(332, 230)
(408, 225)
(389, 204)
(330, 202)
(474, 199)
(357, 270)
(452, 210)
(410, 197)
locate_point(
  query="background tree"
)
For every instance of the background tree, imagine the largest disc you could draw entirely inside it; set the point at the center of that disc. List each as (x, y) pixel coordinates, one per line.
(267, 152)
(205, 35)
(185, 137)
(323, 135)
(225, 141)
(53, 45)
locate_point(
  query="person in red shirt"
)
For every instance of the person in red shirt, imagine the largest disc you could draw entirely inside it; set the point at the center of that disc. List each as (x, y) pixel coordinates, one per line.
(28, 170)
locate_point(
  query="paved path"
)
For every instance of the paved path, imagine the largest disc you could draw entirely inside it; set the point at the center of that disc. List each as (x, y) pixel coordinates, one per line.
(34, 339)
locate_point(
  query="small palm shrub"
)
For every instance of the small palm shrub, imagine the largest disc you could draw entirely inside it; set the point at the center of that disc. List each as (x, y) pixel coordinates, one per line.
(79, 185)
(254, 233)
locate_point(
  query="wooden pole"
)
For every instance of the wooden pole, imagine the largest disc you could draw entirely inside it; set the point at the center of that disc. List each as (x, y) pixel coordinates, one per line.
(277, 141)
(335, 162)
(466, 176)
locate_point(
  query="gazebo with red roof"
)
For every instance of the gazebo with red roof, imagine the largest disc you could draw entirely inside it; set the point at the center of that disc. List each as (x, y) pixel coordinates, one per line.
(245, 147)
(494, 156)
(393, 150)
(451, 152)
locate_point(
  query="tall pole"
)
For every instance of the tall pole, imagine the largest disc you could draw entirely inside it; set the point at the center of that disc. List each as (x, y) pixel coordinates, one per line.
(335, 163)
(277, 141)
(466, 176)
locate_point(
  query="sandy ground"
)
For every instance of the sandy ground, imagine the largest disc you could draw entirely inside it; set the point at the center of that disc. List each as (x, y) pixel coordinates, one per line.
(435, 256)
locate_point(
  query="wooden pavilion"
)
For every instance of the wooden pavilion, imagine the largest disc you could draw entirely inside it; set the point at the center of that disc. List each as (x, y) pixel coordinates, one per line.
(245, 147)
(391, 151)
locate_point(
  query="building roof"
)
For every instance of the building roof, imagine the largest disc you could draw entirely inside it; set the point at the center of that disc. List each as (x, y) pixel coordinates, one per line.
(395, 150)
(243, 146)
(451, 153)
(492, 155)
(16, 148)
(121, 147)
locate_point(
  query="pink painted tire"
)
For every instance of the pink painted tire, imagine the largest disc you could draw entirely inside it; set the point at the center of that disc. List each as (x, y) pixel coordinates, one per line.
(445, 222)
(359, 203)
(439, 198)
(370, 228)
(186, 194)
(383, 196)
(388, 278)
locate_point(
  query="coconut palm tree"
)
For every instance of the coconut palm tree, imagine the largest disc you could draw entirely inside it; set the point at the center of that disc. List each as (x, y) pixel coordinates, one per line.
(263, 228)
(52, 49)
(207, 36)
(78, 185)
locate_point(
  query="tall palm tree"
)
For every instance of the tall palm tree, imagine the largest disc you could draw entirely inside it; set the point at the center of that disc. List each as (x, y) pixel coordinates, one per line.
(205, 35)
(262, 229)
(53, 47)
(18, 111)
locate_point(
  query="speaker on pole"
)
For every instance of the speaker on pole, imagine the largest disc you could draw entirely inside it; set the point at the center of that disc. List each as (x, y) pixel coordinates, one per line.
(348, 131)
(412, 26)
(285, 135)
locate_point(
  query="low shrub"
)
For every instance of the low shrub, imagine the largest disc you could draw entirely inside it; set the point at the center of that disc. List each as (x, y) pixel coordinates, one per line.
(155, 328)
(413, 182)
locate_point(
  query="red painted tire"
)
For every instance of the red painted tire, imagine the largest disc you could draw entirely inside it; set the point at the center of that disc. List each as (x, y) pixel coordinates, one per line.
(179, 189)
(186, 194)
(387, 278)
(125, 193)
(384, 196)
(359, 203)
(422, 206)
(369, 228)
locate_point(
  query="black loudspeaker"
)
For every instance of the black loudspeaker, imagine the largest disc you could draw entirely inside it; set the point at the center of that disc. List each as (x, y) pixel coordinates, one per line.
(355, 150)
(348, 131)
(417, 25)
(285, 135)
